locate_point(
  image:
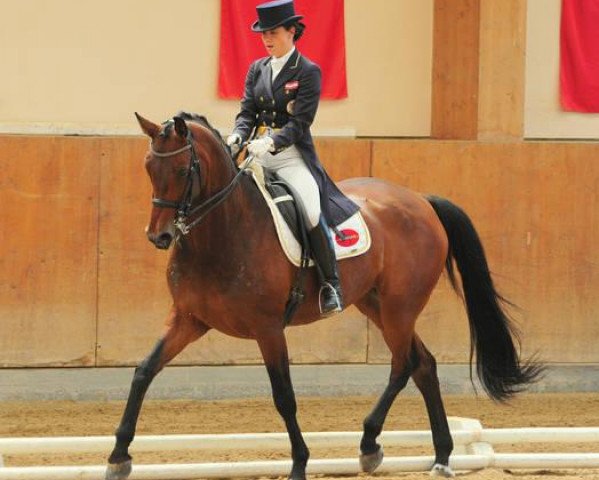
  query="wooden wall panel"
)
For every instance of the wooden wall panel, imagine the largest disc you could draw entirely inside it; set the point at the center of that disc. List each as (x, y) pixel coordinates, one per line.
(48, 237)
(502, 69)
(455, 69)
(132, 295)
(133, 298)
(533, 203)
(345, 158)
(535, 207)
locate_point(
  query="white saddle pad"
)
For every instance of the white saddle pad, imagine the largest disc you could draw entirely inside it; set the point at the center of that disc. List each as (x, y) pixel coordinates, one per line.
(356, 231)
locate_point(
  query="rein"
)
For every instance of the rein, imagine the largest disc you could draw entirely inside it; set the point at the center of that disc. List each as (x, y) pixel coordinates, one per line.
(184, 205)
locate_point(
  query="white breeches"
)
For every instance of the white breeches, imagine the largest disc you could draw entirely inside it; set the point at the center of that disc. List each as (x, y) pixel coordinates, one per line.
(291, 167)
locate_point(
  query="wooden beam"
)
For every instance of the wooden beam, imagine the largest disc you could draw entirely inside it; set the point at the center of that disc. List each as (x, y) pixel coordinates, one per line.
(502, 70)
(456, 29)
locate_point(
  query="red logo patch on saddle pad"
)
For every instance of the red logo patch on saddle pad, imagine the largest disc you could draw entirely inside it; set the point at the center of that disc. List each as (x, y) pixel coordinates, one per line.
(351, 238)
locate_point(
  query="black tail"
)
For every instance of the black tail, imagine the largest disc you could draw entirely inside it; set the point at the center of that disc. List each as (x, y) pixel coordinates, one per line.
(493, 336)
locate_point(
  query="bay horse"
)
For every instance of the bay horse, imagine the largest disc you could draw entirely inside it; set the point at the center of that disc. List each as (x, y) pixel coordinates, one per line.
(226, 271)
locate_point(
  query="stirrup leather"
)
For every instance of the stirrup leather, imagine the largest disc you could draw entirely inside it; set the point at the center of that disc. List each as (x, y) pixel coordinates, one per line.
(334, 295)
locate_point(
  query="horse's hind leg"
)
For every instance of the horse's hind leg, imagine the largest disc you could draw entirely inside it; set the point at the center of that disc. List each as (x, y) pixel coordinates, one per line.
(426, 379)
(180, 333)
(274, 351)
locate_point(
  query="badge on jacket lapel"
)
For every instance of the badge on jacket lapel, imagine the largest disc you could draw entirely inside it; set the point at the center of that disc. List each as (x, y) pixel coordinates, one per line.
(289, 86)
(291, 107)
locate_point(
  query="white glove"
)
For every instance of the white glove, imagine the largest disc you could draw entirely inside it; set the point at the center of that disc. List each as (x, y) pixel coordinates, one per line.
(258, 148)
(233, 139)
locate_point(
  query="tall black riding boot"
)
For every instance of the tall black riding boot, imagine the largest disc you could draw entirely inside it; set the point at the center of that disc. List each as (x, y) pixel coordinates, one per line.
(323, 253)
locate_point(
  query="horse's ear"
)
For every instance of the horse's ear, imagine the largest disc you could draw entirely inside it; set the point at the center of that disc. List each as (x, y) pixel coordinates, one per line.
(180, 127)
(149, 128)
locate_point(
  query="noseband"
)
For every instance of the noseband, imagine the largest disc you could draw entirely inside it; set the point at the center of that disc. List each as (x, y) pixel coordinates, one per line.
(184, 206)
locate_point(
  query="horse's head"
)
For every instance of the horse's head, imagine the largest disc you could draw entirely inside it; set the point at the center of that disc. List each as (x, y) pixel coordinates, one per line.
(180, 156)
(167, 164)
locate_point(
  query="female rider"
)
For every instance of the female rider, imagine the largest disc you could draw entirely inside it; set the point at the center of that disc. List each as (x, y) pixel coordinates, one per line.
(282, 92)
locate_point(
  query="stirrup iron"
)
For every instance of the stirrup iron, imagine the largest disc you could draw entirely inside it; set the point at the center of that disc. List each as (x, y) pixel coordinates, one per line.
(334, 295)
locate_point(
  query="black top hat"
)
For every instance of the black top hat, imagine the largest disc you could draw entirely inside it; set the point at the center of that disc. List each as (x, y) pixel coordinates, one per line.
(274, 14)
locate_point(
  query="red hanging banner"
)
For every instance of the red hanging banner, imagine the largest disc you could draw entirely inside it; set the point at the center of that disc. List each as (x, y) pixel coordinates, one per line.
(579, 56)
(323, 42)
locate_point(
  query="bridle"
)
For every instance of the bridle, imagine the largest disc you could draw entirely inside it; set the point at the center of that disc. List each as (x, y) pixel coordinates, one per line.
(184, 206)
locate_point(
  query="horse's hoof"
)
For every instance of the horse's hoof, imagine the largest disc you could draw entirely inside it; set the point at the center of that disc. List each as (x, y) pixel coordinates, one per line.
(439, 470)
(118, 471)
(370, 462)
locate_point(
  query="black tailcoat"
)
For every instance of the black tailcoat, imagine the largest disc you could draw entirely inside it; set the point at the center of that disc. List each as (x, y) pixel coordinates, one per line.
(289, 104)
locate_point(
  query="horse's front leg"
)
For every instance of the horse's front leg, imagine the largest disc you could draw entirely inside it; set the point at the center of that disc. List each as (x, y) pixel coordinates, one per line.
(181, 331)
(274, 351)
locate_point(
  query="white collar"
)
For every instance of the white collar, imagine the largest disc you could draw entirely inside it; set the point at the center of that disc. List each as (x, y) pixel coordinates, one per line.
(282, 60)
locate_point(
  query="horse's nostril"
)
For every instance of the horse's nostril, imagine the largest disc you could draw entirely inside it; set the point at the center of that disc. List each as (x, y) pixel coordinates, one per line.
(162, 241)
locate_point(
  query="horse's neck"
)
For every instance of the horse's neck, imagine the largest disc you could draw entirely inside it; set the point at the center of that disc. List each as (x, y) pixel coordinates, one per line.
(228, 232)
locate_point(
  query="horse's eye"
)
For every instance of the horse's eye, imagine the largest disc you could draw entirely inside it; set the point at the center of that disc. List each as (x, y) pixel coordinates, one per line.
(182, 172)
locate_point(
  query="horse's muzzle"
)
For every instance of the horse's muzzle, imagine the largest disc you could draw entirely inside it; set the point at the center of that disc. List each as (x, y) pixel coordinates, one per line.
(161, 241)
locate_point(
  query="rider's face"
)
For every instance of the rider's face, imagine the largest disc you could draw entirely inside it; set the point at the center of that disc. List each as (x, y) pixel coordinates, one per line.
(278, 41)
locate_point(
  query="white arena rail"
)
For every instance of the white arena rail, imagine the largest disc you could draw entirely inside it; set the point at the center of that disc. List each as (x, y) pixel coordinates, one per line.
(474, 450)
